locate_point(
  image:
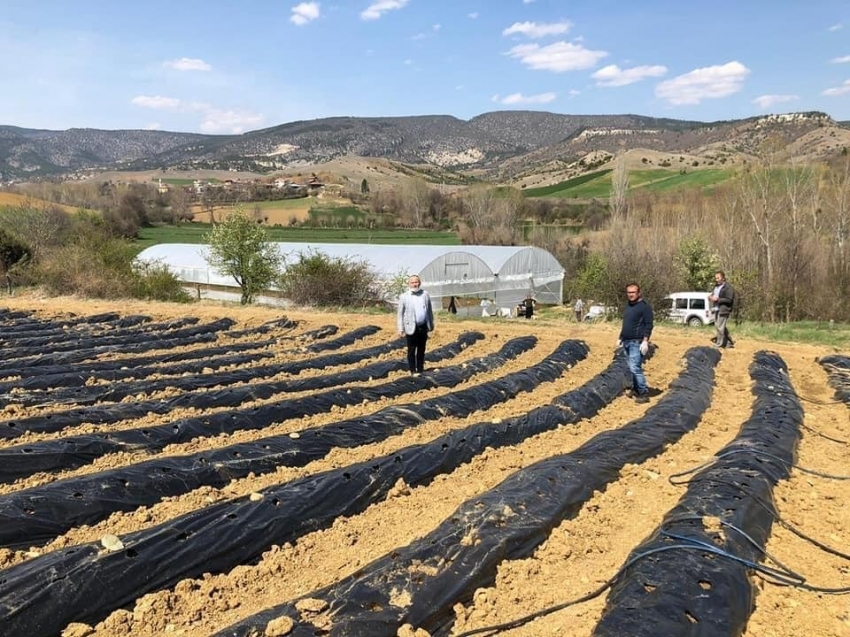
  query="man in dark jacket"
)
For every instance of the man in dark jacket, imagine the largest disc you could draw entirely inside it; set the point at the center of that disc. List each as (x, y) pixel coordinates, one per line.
(634, 337)
(722, 298)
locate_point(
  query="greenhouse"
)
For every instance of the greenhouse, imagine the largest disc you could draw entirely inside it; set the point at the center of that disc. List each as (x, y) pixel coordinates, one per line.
(504, 275)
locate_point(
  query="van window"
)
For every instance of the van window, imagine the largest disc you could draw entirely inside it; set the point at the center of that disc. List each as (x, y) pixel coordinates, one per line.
(681, 304)
(697, 304)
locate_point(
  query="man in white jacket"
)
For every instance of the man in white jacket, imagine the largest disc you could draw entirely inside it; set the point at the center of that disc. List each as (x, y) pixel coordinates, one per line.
(415, 320)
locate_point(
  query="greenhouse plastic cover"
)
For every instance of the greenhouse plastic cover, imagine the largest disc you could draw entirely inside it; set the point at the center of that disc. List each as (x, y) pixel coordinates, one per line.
(504, 274)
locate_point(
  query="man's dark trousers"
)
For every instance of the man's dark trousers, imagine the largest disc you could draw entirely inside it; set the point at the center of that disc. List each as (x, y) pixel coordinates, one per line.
(416, 349)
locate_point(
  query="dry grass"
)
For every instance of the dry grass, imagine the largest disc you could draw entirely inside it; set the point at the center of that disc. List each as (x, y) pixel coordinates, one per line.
(11, 199)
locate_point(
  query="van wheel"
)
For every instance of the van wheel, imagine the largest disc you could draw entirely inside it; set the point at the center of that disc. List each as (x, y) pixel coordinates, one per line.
(694, 321)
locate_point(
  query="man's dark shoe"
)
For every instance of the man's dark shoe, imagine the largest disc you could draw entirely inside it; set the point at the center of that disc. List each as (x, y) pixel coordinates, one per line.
(642, 398)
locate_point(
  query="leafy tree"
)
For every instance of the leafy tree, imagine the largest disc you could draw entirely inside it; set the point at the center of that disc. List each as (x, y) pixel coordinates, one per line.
(697, 262)
(239, 247)
(592, 281)
(364, 187)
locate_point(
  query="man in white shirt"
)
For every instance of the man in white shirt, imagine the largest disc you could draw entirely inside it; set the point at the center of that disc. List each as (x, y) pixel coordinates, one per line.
(415, 320)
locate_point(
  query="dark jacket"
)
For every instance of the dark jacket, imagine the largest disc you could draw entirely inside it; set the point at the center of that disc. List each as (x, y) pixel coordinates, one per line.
(637, 321)
(725, 299)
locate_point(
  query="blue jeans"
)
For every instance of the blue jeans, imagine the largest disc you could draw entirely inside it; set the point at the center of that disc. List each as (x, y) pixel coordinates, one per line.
(636, 365)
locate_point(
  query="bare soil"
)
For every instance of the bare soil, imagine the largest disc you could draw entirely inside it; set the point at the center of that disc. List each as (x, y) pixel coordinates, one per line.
(579, 555)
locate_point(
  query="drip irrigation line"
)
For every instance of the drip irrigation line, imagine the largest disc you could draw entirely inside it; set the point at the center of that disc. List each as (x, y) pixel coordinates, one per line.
(823, 435)
(779, 576)
(767, 506)
(791, 465)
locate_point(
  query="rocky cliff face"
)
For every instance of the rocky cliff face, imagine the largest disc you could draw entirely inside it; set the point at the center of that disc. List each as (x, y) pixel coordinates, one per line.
(500, 142)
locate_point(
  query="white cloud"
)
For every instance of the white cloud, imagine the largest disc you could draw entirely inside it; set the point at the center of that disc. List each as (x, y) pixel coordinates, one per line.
(527, 1)
(436, 27)
(156, 102)
(710, 82)
(535, 30)
(215, 120)
(304, 13)
(379, 8)
(764, 102)
(408, 62)
(842, 60)
(838, 90)
(519, 98)
(419, 36)
(152, 126)
(613, 75)
(836, 27)
(473, 15)
(574, 91)
(229, 122)
(558, 57)
(187, 64)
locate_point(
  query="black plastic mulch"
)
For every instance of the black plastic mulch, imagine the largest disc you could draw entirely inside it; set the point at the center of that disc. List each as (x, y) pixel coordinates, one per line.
(685, 585)
(507, 522)
(71, 452)
(38, 602)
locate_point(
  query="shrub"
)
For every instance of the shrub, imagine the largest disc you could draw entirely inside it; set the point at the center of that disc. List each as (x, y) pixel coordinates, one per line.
(318, 279)
(155, 282)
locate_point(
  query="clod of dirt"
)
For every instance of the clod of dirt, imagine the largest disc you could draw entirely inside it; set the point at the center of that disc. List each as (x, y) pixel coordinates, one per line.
(279, 627)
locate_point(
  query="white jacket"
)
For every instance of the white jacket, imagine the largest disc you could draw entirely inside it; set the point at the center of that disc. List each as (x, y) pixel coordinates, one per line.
(406, 319)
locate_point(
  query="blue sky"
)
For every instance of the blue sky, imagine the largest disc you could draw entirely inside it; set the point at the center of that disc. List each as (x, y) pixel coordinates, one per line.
(231, 67)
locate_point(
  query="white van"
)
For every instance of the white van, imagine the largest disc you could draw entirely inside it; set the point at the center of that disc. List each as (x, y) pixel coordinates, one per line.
(690, 308)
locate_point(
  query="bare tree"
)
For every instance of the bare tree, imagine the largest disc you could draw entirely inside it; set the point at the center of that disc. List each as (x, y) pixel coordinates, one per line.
(478, 211)
(619, 202)
(417, 202)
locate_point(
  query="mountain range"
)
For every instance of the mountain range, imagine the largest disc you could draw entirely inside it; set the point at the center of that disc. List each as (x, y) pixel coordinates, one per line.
(502, 145)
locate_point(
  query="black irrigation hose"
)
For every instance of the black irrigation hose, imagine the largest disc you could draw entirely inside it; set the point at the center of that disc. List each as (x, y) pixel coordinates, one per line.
(201, 400)
(75, 451)
(38, 514)
(507, 522)
(82, 394)
(81, 583)
(671, 594)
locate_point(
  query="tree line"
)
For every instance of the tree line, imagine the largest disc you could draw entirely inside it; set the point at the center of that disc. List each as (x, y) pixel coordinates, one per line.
(779, 229)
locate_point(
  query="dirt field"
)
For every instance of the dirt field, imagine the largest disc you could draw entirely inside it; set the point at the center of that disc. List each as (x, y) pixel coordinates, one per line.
(578, 556)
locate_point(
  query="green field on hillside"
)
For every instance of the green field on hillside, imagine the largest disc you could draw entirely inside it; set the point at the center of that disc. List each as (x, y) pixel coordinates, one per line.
(194, 233)
(556, 190)
(597, 185)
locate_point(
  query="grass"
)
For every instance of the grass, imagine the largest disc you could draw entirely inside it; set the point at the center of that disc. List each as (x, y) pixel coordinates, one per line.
(695, 179)
(194, 233)
(836, 336)
(597, 185)
(811, 332)
(558, 190)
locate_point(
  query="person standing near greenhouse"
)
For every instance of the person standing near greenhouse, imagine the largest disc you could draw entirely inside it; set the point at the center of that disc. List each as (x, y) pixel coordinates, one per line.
(415, 320)
(578, 308)
(634, 338)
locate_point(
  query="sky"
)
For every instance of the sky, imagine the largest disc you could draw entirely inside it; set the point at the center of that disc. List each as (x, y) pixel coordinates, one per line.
(231, 67)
